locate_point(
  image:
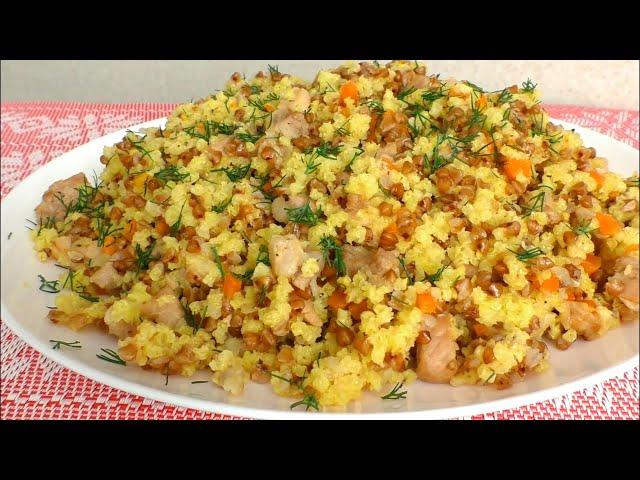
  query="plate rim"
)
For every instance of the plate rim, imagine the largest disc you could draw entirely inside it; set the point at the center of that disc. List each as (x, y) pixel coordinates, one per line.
(221, 408)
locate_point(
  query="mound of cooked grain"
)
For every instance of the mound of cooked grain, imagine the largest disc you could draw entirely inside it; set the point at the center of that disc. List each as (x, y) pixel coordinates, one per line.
(371, 227)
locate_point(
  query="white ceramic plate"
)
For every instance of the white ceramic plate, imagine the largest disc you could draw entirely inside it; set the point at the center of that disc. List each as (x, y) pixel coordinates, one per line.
(24, 310)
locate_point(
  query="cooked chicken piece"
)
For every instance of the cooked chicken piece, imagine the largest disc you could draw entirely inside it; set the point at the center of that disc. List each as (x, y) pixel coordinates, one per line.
(285, 254)
(583, 318)
(290, 124)
(623, 284)
(310, 315)
(107, 277)
(300, 102)
(165, 308)
(59, 192)
(436, 360)
(375, 263)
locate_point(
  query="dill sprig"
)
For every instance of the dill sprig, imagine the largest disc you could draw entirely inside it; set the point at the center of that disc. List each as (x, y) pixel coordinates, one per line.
(263, 256)
(405, 93)
(528, 86)
(273, 69)
(216, 257)
(504, 97)
(199, 381)
(171, 174)
(49, 286)
(247, 137)
(435, 277)
(143, 257)
(268, 193)
(332, 254)
(111, 357)
(342, 129)
(58, 343)
(210, 128)
(189, 317)
(235, 174)
(403, 265)
(359, 151)
(326, 150)
(309, 400)
(374, 106)
(536, 204)
(438, 160)
(528, 254)
(583, 228)
(311, 165)
(304, 215)
(433, 95)
(396, 393)
(104, 228)
(50, 222)
(222, 206)
(633, 182)
(175, 227)
(474, 86)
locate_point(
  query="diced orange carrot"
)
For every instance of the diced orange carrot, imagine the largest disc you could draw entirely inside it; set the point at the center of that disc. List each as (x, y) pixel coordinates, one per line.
(162, 227)
(109, 245)
(597, 176)
(514, 166)
(230, 286)
(345, 111)
(608, 225)
(349, 90)
(338, 299)
(591, 264)
(550, 285)
(590, 302)
(481, 102)
(130, 229)
(426, 303)
(269, 108)
(632, 248)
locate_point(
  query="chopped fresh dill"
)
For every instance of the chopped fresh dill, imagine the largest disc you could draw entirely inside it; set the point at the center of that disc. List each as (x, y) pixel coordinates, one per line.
(403, 265)
(474, 86)
(263, 256)
(374, 106)
(342, 129)
(273, 69)
(327, 151)
(210, 128)
(309, 400)
(396, 393)
(177, 225)
(143, 257)
(199, 381)
(528, 254)
(405, 93)
(583, 228)
(88, 298)
(311, 165)
(222, 206)
(58, 343)
(171, 174)
(359, 151)
(216, 257)
(332, 254)
(435, 277)
(504, 97)
(304, 215)
(528, 86)
(49, 286)
(235, 174)
(247, 137)
(104, 229)
(111, 356)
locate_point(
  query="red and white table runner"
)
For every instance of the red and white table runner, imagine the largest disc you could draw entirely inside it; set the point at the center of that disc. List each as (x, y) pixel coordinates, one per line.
(33, 387)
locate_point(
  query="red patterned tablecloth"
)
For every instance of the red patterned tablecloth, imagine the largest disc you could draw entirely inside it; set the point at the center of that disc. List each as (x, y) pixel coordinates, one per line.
(33, 387)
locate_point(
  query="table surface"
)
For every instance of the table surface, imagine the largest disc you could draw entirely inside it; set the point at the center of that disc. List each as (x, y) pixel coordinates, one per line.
(34, 387)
